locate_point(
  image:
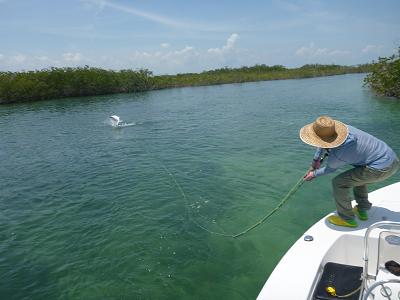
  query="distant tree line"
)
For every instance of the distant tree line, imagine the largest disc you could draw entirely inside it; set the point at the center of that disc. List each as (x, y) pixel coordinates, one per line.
(70, 82)
(255, 73)
(56, 83)
(385, 76)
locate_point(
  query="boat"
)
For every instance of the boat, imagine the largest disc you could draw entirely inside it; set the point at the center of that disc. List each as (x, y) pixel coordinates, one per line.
(329, 262)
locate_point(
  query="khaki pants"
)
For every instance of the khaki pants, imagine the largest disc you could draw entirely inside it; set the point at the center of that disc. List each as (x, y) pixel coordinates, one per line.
(356, 179)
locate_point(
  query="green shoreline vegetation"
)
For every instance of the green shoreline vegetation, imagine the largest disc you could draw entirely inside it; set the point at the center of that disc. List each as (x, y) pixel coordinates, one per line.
(54, 83)
(384, 78)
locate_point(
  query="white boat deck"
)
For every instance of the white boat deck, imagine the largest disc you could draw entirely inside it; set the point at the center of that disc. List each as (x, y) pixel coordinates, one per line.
(295, 275)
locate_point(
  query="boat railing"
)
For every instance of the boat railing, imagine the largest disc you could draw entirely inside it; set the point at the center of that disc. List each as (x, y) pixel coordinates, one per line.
(388, 225)
(384, 289)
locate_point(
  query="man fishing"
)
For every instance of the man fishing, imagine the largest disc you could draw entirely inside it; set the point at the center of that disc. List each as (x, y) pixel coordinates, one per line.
(373, 161)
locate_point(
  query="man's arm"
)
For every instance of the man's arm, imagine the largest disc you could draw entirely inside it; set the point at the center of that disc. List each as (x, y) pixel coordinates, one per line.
(332, 165)
(316, 163)
(318, 153)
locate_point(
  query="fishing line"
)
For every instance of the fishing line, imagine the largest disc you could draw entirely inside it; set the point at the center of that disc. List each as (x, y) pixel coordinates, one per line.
(259, 222)
(179, 187)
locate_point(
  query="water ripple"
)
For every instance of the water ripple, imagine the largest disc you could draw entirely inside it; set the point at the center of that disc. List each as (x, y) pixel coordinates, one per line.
(88, 211)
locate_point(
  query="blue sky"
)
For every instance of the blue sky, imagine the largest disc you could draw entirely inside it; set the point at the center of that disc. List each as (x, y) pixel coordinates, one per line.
(169, 37)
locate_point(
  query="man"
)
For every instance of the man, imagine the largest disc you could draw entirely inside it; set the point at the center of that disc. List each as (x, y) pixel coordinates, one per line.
(372, 159)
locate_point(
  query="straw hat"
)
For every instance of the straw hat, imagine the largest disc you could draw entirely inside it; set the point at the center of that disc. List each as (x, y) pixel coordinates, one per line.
(324, 133)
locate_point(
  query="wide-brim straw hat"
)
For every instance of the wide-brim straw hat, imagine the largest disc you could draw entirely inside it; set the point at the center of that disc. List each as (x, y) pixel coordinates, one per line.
(324, 133)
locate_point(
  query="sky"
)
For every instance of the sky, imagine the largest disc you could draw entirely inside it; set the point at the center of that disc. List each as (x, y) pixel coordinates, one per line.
(179, 36)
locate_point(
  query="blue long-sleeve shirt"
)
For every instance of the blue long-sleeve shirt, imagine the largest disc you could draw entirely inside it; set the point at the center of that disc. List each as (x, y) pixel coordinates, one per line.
(359, 149)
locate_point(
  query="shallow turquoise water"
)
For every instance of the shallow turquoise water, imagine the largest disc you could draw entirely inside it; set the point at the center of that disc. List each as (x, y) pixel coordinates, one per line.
(88, 211)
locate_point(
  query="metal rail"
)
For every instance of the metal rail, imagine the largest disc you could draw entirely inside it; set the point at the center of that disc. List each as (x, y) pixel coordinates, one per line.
(365, 276)
(379, 283)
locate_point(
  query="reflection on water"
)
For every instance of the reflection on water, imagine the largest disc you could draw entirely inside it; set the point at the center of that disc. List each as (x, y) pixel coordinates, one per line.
(88, 211)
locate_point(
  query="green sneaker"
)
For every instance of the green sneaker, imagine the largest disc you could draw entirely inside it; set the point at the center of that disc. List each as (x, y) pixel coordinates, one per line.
(338, 221)
(361, 214)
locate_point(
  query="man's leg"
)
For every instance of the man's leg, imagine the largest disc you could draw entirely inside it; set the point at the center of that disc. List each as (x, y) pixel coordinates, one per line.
(342, 185)
(356, 179)
(361, 197)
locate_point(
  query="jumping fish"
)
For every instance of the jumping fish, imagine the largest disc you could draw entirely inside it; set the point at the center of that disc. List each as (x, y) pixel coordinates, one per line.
(115, 120)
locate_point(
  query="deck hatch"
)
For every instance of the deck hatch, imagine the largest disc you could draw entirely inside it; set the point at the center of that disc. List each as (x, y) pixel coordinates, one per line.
(344, 278)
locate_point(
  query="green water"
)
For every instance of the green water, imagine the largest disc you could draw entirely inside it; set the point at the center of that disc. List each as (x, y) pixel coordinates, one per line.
(88, 211)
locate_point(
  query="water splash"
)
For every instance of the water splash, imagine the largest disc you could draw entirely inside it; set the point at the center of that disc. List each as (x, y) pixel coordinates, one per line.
(116, 122)
(126, 125)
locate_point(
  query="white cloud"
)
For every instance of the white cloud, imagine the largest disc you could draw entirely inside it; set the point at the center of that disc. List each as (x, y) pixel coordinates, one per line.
(188, 58)
(154, 17)
(165, 60)
(339, 52)
(19, 62)
(185, 50)
(231, 40)
(230, 44)
(72, 57)
(312, 51)
(136, 12)
(164, 45)
(372, 49)
(19, 58)
(303, 51)
(321, 51)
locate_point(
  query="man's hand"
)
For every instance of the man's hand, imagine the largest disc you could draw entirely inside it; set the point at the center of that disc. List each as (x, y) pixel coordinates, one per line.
(310, 176)
(316, 164)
